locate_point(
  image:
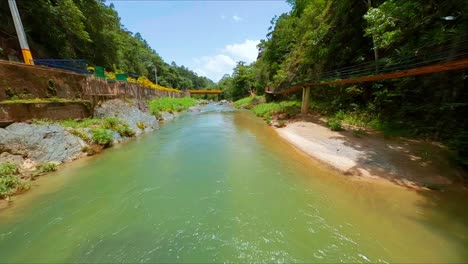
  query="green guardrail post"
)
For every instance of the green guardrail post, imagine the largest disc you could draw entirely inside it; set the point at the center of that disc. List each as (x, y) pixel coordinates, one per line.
(121, 77)
(99, 72)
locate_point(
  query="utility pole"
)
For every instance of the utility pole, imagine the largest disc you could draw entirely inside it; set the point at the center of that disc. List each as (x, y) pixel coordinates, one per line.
(20, 32)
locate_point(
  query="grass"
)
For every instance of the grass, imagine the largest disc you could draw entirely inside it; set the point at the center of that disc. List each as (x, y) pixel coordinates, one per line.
(44, 168)
(17, 100)
(334, 124)
(10, 181)
(268, 110)
(249, 102)
(80, 133)
(366, 119)
(88, 122)
(172, 105)
(141, 125)
(101, 136)
(118, 126)
(110, 123)
(47, 167)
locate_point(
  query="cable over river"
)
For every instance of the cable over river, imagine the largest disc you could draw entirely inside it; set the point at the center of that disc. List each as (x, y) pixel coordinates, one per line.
(221, 186)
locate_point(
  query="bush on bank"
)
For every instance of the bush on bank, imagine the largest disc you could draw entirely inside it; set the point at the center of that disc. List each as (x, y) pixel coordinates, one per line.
(167, 104)
(10, 182)
(286, 109)
(109, 123)
(249, 102)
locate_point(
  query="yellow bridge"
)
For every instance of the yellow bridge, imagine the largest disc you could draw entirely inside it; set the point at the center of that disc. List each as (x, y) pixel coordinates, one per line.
(204, 91)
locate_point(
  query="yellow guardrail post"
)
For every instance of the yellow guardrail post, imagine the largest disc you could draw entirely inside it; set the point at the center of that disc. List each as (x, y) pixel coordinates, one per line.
(28, 59)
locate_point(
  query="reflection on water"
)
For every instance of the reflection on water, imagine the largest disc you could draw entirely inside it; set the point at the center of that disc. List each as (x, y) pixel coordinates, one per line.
(221, 186)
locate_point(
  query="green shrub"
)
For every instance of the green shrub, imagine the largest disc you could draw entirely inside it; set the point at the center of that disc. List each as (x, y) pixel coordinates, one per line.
(249, 102)
(141, 125)
(334, 124)
(43, 168)
(42, 121)
(80, 133)
(124, 130)
(8, 168)
(118, 126)
(46, 167)
(10, 182)
(88, 122)
(167, 104)
(102, 136)
(111, 122)
(244, 102)
(281, 123)
(289, 108)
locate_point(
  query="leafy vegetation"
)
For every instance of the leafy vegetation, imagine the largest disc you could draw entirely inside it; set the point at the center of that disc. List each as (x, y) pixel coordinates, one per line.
(319, 36)
(167, 104)
(87, 122)
(17, 100)
(46, 167)
(141, 125)
(110, 123)
(93, 31)
(101, 136)
(334, 124)
(43, 168)
(118, 126)
(10, 182)
(285, 108)
(249, 102)
(80, 133)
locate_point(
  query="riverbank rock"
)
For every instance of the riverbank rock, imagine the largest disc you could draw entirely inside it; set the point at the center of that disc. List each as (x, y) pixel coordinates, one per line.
(165, 116)
(40, 143)
(196, 108)
(130, 113)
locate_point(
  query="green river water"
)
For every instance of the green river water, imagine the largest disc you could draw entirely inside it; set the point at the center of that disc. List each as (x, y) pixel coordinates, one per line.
(221, 186)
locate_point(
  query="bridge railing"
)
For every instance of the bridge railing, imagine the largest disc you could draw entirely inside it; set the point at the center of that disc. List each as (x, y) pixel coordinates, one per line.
(423, 56)
(78, 66)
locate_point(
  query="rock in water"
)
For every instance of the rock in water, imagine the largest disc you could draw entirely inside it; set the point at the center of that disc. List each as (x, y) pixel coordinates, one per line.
(167, 116)
(40, 143)
(128, 113)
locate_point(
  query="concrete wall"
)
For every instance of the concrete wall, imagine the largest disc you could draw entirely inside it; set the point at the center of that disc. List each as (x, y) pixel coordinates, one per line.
(14, 112)
(43, 82)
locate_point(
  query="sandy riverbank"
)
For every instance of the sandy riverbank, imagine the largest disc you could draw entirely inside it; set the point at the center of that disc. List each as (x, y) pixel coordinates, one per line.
(405, 162)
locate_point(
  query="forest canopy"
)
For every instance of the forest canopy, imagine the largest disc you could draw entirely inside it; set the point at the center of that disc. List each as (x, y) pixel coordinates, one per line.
(91, 30)
(319, 36)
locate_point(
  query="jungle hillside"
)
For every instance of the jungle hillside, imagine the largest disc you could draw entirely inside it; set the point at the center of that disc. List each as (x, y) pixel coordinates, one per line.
(319, 36)
(90, 30)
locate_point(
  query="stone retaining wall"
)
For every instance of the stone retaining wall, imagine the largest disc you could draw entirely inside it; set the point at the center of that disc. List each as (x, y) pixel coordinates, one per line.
(27, 81)
(43, 82)
(16, 112)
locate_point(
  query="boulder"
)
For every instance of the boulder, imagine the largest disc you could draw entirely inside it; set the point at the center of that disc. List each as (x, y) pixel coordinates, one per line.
(167, 116)
(40, 143)
(196, 108)
(129, 113)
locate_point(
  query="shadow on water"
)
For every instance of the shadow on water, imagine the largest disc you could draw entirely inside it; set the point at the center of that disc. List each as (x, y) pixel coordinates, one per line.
(445, 213)
(401, 161)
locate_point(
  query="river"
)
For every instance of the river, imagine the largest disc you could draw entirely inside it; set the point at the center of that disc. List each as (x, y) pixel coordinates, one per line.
(221, 186)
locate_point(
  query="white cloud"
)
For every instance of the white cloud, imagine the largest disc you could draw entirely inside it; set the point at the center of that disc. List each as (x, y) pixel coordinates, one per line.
(246, 51)
(216, 66)
(223, 17)
(237, 18)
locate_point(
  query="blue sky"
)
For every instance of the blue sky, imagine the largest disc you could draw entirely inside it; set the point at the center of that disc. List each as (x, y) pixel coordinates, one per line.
(208, 37)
